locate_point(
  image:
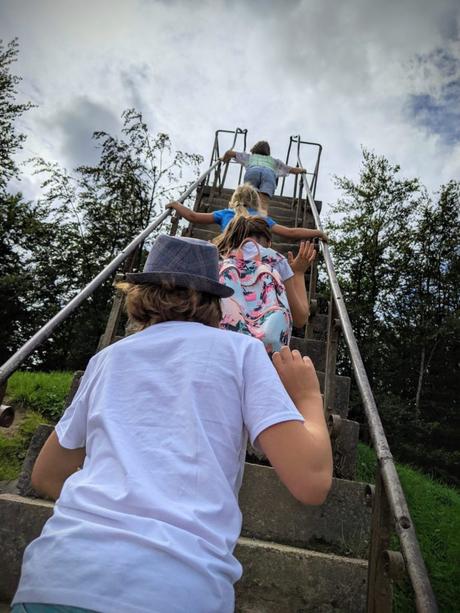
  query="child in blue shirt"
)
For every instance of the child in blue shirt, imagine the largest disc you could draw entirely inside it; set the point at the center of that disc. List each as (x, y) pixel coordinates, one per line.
(245, 201)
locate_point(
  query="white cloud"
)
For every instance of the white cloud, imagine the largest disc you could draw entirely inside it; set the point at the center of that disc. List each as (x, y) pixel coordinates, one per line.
(339, 73)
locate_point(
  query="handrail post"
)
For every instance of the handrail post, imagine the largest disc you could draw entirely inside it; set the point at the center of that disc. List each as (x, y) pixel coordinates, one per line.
(379, 585)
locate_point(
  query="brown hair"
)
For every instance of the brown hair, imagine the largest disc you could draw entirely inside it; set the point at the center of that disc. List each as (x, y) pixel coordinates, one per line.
(239, 229)
(261, 147)
(148, 304)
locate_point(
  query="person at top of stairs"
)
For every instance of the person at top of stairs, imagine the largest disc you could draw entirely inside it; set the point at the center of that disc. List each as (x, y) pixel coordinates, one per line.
(269, 292)
(245, 201)
(262, 170)
(147, 461)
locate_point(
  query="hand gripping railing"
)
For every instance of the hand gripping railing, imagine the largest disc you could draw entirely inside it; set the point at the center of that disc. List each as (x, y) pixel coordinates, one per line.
(388, 481)
(45, 332)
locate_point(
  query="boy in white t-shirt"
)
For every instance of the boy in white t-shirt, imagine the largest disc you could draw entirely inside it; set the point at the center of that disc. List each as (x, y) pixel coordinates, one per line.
(146, 463)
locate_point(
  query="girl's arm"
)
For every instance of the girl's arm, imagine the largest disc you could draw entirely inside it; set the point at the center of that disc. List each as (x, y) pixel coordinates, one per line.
(228, 155)
(295, 286)
(296, 171)
(298, 233)
(189, 215)
(54, 464)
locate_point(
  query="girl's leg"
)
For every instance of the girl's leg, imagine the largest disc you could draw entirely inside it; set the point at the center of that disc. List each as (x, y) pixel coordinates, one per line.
(264, 202)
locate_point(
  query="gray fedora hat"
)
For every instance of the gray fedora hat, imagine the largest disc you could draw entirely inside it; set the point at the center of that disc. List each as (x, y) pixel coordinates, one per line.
(184, 262)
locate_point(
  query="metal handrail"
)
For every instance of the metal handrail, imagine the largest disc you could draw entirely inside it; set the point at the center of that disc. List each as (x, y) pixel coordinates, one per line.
(215, 154)
(297, 139)
(424, 596)
(45, 332)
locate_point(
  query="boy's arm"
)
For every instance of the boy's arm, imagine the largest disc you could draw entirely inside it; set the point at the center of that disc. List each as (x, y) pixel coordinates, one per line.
(298, 233)
(189, 215)
(54, 465)
(300, 453)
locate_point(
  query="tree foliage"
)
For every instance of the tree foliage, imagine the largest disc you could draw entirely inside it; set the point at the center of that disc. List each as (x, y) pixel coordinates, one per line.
(396, 252)
(10, 110)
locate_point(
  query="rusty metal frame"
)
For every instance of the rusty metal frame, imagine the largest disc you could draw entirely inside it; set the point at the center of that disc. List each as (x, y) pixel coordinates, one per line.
(314, 175)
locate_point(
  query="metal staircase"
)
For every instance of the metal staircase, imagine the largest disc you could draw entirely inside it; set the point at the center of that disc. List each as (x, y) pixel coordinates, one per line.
(296, 558)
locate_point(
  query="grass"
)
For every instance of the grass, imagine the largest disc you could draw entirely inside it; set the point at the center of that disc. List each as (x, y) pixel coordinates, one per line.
(435, 511)
(13, 448)
(40, 391)
(41, 397)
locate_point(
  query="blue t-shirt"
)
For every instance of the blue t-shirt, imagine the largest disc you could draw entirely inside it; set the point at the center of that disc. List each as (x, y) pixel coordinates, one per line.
(225, 216)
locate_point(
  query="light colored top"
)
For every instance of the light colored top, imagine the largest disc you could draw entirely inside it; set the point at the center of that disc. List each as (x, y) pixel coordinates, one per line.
(224, 216)
(251, 160)
(150, 522)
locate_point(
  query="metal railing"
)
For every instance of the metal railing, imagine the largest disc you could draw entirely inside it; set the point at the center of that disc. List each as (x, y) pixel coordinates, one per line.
(389, 504)
(8, 368)
(314, 175)
(216, 154)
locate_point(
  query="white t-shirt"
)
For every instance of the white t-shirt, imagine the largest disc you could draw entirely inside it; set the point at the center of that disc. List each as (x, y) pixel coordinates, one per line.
(280, 168)
(150, 522)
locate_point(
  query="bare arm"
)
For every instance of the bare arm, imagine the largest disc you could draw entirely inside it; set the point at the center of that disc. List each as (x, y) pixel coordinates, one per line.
(300, 453)
(296, 170)
(54, 464)
(228, 155)
(189, 215)
(298, 233)
(295, 286)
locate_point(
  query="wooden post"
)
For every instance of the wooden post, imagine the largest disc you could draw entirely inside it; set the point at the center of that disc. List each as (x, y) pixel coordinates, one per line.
(379, 586)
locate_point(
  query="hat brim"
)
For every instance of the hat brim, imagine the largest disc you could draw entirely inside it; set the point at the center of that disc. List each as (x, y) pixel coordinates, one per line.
(181, 279)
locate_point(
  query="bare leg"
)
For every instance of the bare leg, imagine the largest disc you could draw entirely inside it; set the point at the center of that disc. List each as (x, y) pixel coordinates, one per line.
(264, 202)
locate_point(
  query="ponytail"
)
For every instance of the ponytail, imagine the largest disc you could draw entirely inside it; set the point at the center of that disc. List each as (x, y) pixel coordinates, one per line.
(243, 198)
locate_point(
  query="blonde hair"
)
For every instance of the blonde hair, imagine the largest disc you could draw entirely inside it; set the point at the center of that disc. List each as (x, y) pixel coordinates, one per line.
(239, 229)
(243, 198)
(148, 304)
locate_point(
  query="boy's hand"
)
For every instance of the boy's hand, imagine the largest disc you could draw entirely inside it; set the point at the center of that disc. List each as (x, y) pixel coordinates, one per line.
(297, 375)
(304, 258)
(174, 205)
(323, 237)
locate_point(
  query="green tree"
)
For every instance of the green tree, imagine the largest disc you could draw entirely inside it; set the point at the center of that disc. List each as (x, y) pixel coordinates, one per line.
(10, 110)
(397, 257)
(374, 217)
(98, 210)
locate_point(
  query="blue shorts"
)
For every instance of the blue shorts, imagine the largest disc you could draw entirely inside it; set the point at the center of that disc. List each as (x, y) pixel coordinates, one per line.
(263, 179)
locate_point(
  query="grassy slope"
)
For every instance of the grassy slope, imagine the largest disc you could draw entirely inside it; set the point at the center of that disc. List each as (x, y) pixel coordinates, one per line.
(435, 510)
(434, 507)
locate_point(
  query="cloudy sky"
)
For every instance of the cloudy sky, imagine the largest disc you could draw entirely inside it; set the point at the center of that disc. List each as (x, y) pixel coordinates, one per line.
(380, 73)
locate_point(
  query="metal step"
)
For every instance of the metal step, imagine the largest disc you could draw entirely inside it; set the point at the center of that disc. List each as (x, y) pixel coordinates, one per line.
(282, 579)
(341, 525)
